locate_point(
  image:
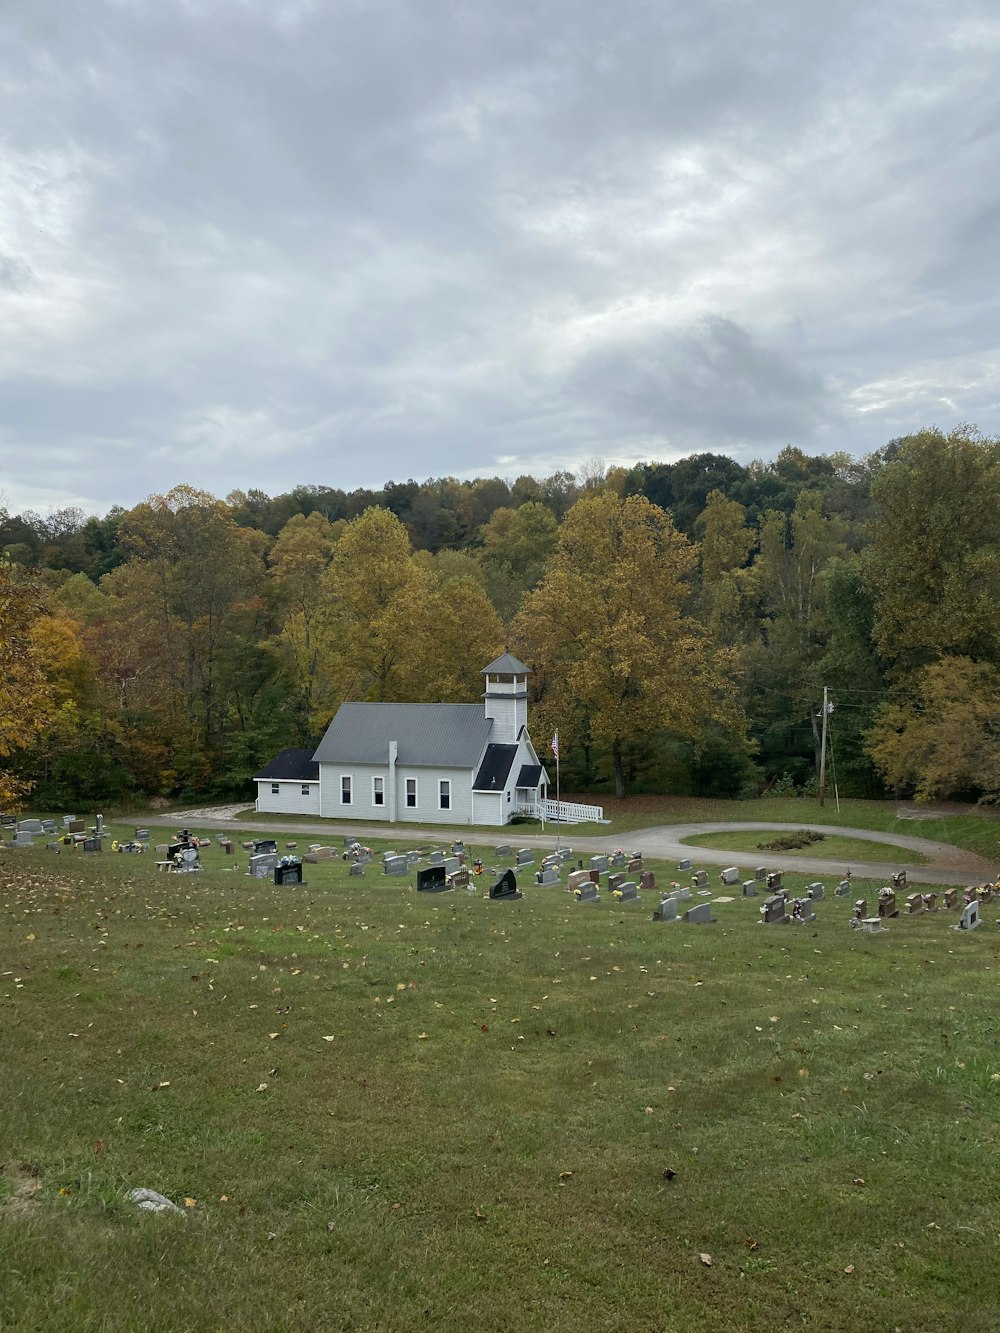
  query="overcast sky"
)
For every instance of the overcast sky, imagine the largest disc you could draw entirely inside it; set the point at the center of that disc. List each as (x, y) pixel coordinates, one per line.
(255, 243)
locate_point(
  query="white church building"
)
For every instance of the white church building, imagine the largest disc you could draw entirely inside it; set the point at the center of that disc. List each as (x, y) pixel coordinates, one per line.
(420, 763)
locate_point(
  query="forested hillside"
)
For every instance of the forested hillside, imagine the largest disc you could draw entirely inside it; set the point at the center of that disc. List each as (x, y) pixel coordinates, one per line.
(682, 621)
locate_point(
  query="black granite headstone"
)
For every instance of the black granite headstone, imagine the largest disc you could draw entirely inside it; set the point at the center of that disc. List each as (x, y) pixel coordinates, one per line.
(505, 886)
(432, 879)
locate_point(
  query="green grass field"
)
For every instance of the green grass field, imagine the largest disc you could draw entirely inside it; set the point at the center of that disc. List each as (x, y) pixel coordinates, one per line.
(389, 1111)
(848, 850)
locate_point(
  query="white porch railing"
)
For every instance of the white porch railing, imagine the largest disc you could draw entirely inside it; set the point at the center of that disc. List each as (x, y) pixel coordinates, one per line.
(563, 812)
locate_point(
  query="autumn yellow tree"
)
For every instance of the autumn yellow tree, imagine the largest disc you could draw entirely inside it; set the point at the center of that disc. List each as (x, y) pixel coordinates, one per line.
(940, 735)
(299, 560)
(25, 696)
(606, 631)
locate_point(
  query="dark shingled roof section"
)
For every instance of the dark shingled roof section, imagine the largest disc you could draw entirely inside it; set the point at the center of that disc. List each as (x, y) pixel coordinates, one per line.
(506, 665)
(495, 768)
(292, 766)
(529, 775)
(428, 735)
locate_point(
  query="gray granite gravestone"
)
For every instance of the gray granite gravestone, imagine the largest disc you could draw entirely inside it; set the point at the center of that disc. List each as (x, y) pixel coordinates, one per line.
(730, 875)
(698, 915)
(395, 865)
(547, 875)
(356, 868)
(565, 853)
(667, 909)
(627, 892)
(617, 859)
(457, 848)
(23, 838)
(525, 856)
(262, 846)
(802, 910)
(774, 879)
(30, 826)
(684, 865)
(502, 851)
(749, 888)
(843, 889)
(587, 893)
(772, 912)
(451, 865)
(263, 864)
(969, 919)
(48, 826)
(699, 880)
(599, 862)
(436, 859)
(815, 891)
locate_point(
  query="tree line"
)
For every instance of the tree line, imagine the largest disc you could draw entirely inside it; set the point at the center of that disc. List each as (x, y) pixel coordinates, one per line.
(682, 621)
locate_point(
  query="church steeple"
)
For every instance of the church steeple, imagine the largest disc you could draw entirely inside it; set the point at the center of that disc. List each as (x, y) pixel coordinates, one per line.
(507, 697)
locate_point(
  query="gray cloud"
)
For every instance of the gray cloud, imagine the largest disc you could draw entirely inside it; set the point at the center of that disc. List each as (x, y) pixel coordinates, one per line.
(258, 242)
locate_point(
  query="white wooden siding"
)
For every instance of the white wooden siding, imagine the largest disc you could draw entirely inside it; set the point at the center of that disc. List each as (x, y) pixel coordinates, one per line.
(289, 799)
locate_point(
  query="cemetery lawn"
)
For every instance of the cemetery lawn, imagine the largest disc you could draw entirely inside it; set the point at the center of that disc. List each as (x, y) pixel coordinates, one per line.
(846, 849)
(385, 1111)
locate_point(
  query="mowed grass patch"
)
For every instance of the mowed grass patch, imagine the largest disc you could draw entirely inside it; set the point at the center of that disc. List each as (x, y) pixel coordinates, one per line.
(747, 842)
(395, 1111)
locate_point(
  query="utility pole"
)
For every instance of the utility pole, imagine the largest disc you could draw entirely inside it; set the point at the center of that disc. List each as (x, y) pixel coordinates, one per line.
(822, 750)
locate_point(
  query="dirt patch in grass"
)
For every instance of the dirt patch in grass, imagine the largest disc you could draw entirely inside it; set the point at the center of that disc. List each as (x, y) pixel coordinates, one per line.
(25, 1183)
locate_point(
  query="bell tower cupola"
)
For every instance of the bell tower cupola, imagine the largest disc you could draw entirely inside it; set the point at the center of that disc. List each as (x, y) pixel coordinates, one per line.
(506, 698)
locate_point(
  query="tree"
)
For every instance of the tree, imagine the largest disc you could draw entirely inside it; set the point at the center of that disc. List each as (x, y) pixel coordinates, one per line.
(941, 734)
(378, 604)
(299, 560)
(25, 696)
(933, 564)
(614, 653)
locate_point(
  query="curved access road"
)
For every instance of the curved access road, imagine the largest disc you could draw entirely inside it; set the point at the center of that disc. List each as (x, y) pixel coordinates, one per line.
(946, 864)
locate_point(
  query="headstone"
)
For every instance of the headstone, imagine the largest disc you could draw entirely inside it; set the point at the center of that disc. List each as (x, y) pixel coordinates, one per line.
(551, 860)
(263, 864)
(67, 820)
(930, 902)
(627, 892)
(634, 866)
(802, 910)
(355, 869)
(617, 859)
(815, 891)
(970, 917)
(730, 875)
(30, 826)
(432, 879)
(504, 887)
(683, 895)
(396, 865)
(436, 859)
(290, 873)
(91, 844)
(565, 854)
(262, 846)
(774, 879)
(352, 839)
(749, 888)
(502, 851)
(525, 856)
(412, 858)
(548, 875)
(699, 915)
(699, 880)
(457, 848)
(576, 878)
(615, 882)
(684, 865)
(587, 893)
(887, 903)
(843, 889)
(667, 910)
(387, 856)
(760, 874)
(985, 893)
(647, 880)
(99, 829)
(316, 855)
(23, 838)
(595, 876)
(142, 835)
(227, 847)
(772, 912)
(899, 881)
(872, 925)
(76, 826)
(48, 825)
(459, 879)
(914, 904)
(599, 862)
(950, 899)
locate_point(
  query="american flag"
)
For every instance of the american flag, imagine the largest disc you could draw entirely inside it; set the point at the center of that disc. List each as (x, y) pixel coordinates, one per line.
(555, 745)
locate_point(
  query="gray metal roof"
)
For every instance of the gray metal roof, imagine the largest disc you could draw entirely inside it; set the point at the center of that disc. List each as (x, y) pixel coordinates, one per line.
(427, 735)
(506, 665)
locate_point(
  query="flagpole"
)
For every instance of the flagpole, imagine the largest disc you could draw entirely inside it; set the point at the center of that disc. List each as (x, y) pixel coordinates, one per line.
(558, 820)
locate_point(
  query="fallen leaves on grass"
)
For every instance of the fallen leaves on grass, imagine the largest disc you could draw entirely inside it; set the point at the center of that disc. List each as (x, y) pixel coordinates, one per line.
(669, 1173)
(706, 1259)
(849, 1269)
